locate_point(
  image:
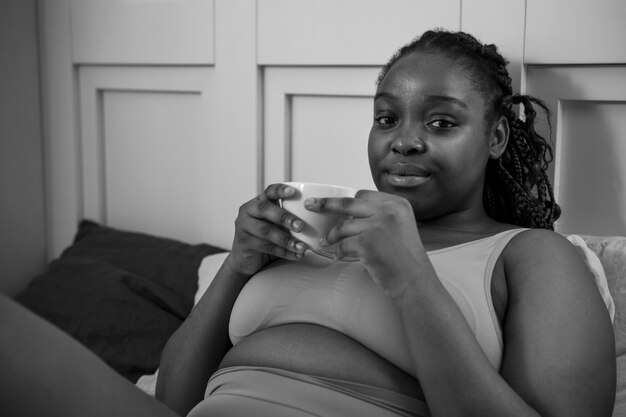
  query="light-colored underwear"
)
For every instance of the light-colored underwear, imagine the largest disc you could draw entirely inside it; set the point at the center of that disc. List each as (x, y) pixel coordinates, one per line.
(270, 392)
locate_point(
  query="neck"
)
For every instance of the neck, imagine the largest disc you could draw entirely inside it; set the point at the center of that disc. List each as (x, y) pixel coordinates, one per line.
(453, 230)
(461, 222)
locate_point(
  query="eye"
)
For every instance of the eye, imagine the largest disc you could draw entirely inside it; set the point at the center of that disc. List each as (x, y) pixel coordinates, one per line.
(385, 121)
(442, 124)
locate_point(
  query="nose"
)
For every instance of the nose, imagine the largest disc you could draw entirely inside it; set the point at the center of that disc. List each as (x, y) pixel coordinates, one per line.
(408, 142)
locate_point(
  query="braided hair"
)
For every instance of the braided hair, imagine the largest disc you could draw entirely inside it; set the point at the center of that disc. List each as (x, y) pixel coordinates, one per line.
(517, 188)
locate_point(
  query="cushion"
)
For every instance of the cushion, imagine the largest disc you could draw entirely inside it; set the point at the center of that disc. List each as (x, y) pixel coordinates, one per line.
(120, 293)
(597, 270)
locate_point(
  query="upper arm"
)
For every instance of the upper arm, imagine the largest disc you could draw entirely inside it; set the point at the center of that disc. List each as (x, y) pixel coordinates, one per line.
(559, 348)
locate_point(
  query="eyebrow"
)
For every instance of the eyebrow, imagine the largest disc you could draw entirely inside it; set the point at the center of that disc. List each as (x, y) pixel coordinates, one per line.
(429, 98)
(448, 99)
(383, 95)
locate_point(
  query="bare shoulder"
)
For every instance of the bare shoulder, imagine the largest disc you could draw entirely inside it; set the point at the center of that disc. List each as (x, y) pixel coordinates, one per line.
(540, 251)
(558, 339)
(532, 240)
(543, 266)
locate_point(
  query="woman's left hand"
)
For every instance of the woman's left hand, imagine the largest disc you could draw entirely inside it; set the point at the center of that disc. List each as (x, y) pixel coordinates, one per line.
(381, 232)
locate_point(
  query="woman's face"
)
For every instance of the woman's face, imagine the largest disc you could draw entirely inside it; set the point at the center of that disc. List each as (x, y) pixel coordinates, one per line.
(429, 142)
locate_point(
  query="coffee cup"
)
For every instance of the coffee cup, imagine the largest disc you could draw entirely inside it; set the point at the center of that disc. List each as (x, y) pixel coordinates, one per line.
(317, 225)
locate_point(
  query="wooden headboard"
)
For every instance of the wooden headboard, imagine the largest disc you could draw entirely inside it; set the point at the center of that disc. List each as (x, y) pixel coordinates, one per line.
(167, 124)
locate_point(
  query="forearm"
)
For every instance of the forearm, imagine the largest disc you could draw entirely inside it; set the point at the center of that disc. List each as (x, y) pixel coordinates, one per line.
(456, 376)
(196, 349)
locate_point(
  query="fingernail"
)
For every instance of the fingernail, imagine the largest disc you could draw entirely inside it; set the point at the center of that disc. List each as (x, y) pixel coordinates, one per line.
(309, 202)
(296, 224)
(300, 247)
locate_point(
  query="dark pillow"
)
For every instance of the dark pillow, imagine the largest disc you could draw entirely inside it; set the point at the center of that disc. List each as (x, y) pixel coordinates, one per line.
(122, 294)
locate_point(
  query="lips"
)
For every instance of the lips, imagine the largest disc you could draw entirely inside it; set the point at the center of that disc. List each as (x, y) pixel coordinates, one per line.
(406, 175)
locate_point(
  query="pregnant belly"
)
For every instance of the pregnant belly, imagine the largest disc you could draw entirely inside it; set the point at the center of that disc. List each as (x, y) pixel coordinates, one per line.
(320, 351)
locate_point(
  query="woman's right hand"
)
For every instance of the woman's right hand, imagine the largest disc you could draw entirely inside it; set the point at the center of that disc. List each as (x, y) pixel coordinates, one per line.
(262, 232)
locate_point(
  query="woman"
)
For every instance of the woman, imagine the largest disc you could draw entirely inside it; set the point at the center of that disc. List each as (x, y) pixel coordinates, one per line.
(460, 179)
(463, 302)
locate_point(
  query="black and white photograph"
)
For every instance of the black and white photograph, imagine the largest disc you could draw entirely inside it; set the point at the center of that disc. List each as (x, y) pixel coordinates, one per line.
(312, 208)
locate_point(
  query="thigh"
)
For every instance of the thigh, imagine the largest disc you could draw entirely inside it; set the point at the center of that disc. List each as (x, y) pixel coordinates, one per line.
(46, 372)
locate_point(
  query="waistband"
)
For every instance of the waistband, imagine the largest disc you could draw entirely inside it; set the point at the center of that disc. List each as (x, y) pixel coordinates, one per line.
(318, 396)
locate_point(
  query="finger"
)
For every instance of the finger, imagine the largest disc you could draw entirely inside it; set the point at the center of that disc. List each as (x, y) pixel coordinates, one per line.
(344, 239)
(374, 195)
(287, 249)
(340, 205)
(346, 248)
(275, 234)
(345, 229)
(267, 210)
(279, 191)
(370, 195)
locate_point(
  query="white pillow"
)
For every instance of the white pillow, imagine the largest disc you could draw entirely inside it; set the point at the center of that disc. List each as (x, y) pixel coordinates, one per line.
(147, 383)
(595, 266)
(207, 271)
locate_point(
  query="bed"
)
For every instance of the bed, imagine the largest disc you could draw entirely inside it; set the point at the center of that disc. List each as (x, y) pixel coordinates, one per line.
(122, 294)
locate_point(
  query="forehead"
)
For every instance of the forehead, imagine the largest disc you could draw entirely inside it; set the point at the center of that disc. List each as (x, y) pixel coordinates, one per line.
(420, 74)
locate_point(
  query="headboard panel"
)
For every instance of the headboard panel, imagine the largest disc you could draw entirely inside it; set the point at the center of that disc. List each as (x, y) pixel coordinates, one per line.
(145, 147)
(317, 122)
(170, 138)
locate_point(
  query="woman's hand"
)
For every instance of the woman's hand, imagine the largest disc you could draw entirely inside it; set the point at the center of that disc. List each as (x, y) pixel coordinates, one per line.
(381, 232)
(262, 232)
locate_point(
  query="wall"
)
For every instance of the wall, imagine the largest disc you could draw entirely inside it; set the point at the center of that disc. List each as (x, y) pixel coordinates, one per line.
(165, 116)
(22, 232)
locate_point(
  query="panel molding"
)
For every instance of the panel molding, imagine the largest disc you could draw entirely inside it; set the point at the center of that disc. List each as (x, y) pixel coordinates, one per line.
(560, 85)
(575, 32)
(505, 29)
(97, 81)
(282, 84)
(348, 32)
(556, 84)
(161, 32)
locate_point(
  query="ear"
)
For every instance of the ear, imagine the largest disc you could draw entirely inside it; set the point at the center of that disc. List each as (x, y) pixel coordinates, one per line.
(498, 138)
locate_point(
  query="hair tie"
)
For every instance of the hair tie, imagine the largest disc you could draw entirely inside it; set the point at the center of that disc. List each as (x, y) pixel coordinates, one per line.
(517, 98)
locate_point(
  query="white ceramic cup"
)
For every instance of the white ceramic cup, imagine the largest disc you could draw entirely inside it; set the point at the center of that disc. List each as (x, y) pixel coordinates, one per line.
(316, 224)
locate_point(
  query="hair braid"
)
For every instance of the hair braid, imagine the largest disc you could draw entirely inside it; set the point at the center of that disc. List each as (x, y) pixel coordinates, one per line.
(523, 168)
(517, 187)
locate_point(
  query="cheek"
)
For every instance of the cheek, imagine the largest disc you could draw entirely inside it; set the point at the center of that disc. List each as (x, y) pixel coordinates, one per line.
(469, 168)
(373, 150)
(376, 153)
(469, 155)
